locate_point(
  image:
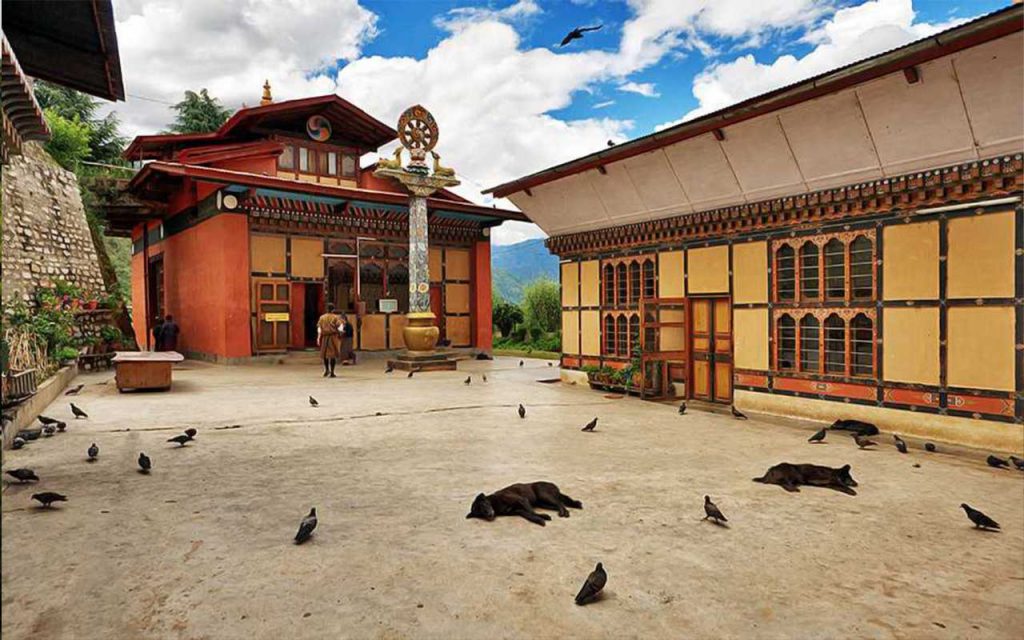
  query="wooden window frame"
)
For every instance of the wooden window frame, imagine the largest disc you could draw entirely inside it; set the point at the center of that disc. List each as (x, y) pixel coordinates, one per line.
(822, 314)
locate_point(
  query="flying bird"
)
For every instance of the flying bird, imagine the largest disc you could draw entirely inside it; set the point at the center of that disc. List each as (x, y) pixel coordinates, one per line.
(93, 452)
(389, 368)
(522, 411)
(818, 437)
(862, 441)
(313, 402)
(181, 440)
(191, 433)
(712, 511)
(49, 497)
(611, 144)
(929, 447)
(306, 527)
(998, 463)
(595, 582)
(900, 445)
(45, 420)
(145, 464)
(682, 408)
(736, 413)
(468, 380)
(74, 390)
(980, 520)
(590, 425)
(1017, 462)
(577, 33)
(23, 475)
(78, 412)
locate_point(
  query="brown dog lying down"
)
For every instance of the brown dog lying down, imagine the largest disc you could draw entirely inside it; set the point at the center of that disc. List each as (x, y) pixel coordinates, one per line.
(520, 499)
(789, 476)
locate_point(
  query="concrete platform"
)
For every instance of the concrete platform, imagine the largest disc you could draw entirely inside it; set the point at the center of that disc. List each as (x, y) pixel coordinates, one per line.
(201, 548)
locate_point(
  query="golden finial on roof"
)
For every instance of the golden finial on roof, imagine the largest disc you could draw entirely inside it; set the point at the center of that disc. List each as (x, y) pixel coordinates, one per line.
(267, 98)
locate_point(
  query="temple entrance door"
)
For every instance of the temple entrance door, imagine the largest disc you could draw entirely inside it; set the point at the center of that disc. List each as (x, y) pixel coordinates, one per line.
(273, 314)
(311, 312)
(711, 349)
(436, 309)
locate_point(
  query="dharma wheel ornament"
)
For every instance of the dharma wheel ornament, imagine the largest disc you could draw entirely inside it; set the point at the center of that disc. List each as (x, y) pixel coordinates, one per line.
(417, 130)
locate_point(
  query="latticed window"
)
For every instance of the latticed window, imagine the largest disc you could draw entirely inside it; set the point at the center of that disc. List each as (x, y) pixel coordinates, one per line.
(634, 332)
(862, 346)
(622, 335)
(861, 272)
(835, 345)
(809, 289)
(609, 285)
(649, 282)
(650, 333)
(634, 282)
(787, 342)
(785, 273)
(809, 335)
(609, 335)
(835, 270)
(621, 284)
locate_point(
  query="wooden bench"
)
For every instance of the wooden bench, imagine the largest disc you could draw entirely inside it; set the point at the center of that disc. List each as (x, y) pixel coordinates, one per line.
(136, 370)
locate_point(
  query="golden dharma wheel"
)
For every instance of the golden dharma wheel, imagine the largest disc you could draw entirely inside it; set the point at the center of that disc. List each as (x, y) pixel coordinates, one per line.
(417, 129)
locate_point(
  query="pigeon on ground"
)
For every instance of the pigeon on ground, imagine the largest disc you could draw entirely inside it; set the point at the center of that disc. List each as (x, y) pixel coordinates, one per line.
(145, 464)
(737, 414)
(595, 582)
(484, 376)
(389, 368)
(818, 437)
(45, 420)
(18, 443)
(929, 447)
(306, 527)
(520, 363)
(1017, 462)
(61, 426)
(522, 411)
(980, 520)
(712, 511)
(49, 430)
(93, 452)
(74, 390)
(181, 440)
(191, 433)
(682, 408)
(411, 371)
(998, 463)
(313, 402)
(551, 364)
(900, 445)
(576, 34)
(49, 497)
(590, 425)
(23, 475)
(862, 441)
(468, 380)
(78, 412)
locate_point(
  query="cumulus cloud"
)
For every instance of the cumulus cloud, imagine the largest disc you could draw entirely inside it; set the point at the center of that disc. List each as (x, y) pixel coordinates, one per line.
(645, 89)
(604, 104)
(462, 16)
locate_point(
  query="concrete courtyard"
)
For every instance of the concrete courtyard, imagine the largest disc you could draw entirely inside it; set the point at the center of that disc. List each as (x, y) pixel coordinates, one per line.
(201, 548)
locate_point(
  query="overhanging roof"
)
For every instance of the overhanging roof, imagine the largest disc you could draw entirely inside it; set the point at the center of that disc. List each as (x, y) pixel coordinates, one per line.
(73, 44)
(738, 154)
(20, 108)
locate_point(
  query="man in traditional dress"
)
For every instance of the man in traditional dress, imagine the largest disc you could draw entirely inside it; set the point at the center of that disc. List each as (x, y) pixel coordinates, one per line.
(328, 338)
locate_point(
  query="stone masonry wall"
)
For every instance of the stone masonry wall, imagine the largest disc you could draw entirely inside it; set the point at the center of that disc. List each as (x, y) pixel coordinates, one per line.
(46, 236)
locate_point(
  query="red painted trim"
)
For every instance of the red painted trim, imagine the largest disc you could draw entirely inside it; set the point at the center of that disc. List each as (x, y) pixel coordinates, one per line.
(221, 153)
(911, 397)
(815, 387)
(750, 380)
(978, 404)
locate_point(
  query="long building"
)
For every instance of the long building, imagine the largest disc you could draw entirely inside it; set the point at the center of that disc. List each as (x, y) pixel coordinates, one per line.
(850, 246)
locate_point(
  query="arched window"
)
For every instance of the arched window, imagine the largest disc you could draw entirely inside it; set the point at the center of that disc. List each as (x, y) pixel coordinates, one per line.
(609, 334)
(809, 334)
(650, 333)
(609, 285)
(861, 260)
(787, 342)
(862, 346)
(634, 333)
(634, 282)
(649, 279)
(835, 345)
(621, 284)
(835, 270)
(622, 335)
(809, 272)
(785, 273)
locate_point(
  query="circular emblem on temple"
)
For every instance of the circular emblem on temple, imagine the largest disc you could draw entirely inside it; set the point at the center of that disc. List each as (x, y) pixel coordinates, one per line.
(423, 287)
(417, 129)
(318, 128)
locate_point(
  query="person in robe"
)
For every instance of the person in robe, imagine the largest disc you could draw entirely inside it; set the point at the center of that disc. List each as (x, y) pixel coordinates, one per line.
(170, 334)
(348, 356)
(328, 338)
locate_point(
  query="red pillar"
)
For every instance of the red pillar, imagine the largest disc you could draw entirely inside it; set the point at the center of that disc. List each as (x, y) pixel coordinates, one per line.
(481, 302)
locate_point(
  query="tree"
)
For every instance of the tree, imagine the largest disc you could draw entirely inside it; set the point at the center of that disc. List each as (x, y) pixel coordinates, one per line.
(506, 317)
(105, 142)
(69, 140)
(199, 113)
(542, 305)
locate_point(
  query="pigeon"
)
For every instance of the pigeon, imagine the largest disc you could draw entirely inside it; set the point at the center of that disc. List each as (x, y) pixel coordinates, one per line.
(18, 443)
(411, 371)
(61, 426)
(313, 402)
(929, 447)
(818, 437)
(48, 497)
(682, 408)
(306, 527)
(191, 433)
(49, 430)
(484, 376)
(78, 412)
(145, 464)
(93, 452)
(998, 463)
(44, 420)
(389, 368)
(862, 441)
(900, 445)
(610, 143)
(74, 390)
(595, 582)
(980, 520)
(590, 425)
(551, 364)
(736, 413)
(468, 380)
(520, 363)
(712, 511)
(1017, 462)
(23, 475)
(576, 34)
(181, 440)
(522, 411)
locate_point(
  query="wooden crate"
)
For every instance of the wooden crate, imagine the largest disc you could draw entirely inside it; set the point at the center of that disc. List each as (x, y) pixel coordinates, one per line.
(137, 370)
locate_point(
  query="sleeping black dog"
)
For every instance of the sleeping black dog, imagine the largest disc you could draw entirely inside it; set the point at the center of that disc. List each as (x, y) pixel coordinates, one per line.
(520, 499)
(791, 476)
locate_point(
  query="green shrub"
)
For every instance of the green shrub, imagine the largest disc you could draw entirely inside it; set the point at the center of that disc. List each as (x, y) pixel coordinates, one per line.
(506, 316)
(542, 305)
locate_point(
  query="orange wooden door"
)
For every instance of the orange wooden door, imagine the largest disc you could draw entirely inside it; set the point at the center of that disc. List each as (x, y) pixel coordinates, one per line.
(711, 349)
(273, 314)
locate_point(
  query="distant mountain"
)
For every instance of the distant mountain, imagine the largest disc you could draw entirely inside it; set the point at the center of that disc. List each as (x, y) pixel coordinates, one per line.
(513, 266)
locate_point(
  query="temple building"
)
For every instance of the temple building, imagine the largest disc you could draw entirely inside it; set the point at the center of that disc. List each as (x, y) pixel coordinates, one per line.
(246, 233)
(850, 246)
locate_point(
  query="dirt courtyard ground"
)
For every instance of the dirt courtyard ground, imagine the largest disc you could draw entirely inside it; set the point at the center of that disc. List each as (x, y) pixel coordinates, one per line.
(201, 548)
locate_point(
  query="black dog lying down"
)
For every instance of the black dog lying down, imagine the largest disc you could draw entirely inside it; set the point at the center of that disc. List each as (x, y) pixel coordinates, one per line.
(790, 476)
(520, 499)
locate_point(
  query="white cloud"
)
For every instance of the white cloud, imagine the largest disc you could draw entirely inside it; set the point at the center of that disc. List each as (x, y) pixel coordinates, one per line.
(602, 105)
(645, 89)
(513, 232)
(462, 16)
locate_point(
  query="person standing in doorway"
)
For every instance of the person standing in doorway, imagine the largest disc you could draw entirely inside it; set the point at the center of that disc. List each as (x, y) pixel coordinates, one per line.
(158, 335)
(328, 338)
(348, 356)
(170, 334)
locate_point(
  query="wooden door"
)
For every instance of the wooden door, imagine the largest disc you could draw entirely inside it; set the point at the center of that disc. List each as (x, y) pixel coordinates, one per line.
(273, 314)
(437, 309)
(711, 349)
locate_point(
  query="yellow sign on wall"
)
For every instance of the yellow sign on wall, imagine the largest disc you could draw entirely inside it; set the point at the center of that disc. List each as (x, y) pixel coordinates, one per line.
(281, 316)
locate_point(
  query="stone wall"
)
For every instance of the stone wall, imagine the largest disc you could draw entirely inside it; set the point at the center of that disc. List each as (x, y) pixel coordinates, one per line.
(46, 237)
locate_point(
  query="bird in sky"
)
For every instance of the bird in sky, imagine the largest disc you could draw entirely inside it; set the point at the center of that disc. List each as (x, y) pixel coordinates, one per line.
(593, 585)
(49, 497)
(736, 413)
(23, 475)
(306, 527)
(522, 411)
(980, 520)
(93, 452)
(577, 34)
(590, 425)
(145, 464)
(819, 436)
(712, 511)
(78, 412)
(313, 402)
